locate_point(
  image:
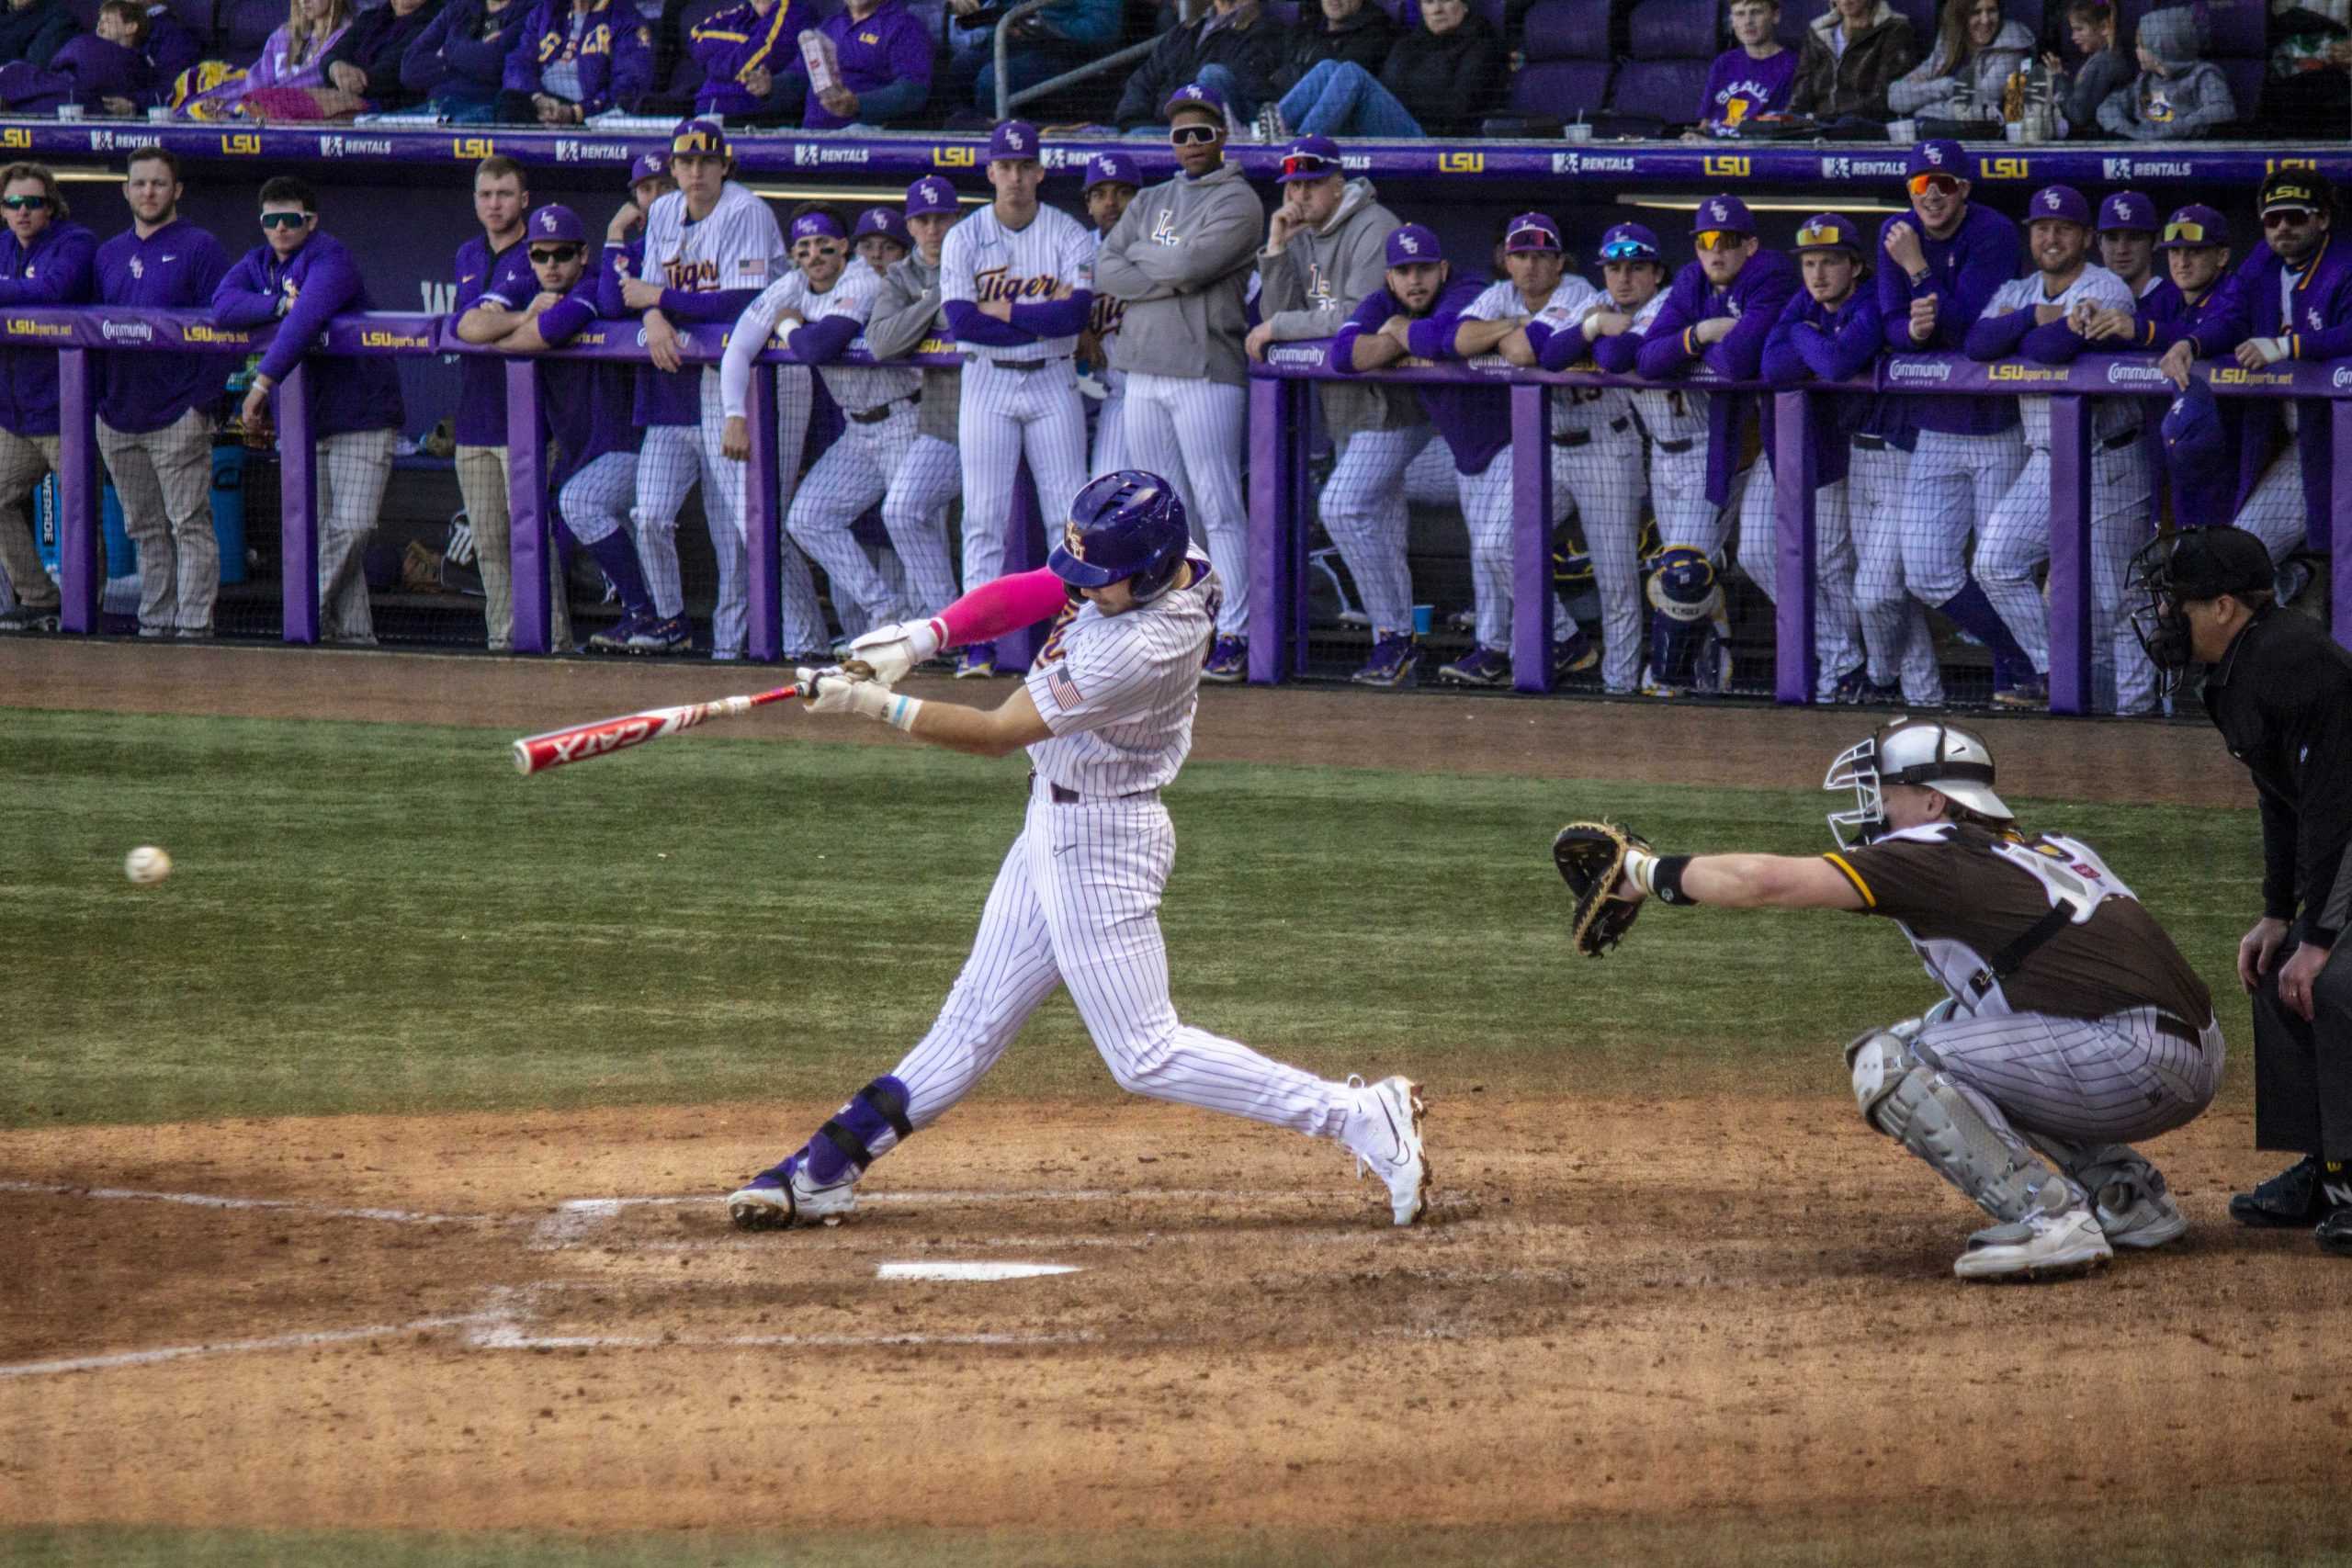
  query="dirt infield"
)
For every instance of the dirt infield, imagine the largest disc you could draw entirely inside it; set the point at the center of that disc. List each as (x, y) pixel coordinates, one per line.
(1626, 1310)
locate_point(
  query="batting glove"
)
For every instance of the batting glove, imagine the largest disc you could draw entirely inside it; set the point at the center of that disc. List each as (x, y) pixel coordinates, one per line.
(894, 650)
(834, 690)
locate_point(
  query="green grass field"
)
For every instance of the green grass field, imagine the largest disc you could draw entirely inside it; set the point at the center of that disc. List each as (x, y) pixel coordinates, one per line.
(371, 917)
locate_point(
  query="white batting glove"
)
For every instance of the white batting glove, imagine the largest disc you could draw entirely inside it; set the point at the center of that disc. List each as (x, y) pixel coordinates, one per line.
(894, 650)
(2272, 349)
(834, 690)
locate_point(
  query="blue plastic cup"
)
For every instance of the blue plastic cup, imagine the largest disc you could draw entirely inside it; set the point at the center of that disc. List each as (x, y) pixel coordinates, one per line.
(1424, 616)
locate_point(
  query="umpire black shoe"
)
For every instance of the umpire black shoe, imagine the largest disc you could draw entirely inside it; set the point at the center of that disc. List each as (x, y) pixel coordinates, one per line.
(2335, 1232)
(2291, 1198)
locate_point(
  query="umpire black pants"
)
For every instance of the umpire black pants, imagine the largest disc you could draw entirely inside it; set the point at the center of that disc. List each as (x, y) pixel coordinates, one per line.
(2302, 1070)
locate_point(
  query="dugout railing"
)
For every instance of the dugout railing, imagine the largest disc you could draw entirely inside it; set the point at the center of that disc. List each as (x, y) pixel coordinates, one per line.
(1282, 498)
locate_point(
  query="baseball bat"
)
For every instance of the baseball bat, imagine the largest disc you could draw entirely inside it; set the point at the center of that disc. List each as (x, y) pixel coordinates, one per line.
(536, 753)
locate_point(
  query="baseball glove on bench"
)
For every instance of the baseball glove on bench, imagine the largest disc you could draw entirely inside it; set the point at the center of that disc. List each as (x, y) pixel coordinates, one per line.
(1591, 858)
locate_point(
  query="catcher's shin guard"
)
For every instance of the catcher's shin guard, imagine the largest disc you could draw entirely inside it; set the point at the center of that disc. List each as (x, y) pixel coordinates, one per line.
(872, 1122)
(1934, 1118)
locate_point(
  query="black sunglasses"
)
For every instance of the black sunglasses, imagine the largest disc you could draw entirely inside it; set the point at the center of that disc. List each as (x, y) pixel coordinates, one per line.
(561, 253)
(284, 219)
(24, 203)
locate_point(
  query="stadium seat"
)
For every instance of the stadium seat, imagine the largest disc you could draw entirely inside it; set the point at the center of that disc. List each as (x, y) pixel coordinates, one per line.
(245, 26)
(1284, 12)
(196, 16)
(1567, 70)
(1670, 50)
(84, 13)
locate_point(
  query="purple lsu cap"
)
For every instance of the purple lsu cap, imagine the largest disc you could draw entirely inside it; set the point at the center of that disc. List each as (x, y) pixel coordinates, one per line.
(1310, 158)
(2127, 209)
(1726, 213)
(1192, 94)
(1629, 242)
(2195, 224)
(1940, 157)
(816, 225)
(1828, 232)
(885, 222)
(1012, 142)
(933, 193)
(1531, 231)
(1111, 169)
(557, 224)
(697, 138)
(2061, 202)
(1411, 245)
(649, 166)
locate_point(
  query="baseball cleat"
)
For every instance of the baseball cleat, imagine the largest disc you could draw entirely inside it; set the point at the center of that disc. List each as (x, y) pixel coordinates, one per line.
(1853, 686)
(2030, 691)
(29, 618)
(978, 662)
(1574, 654)
(2036, 1245)
(780, 1198)
(1384, 1134)
(1228, 660)
(2291, 1198)
(1394, 662)
(1886, 694)
(661, 634)
(1479, 667)
(2132, 1215)
(615, 637)
(2334, 1234)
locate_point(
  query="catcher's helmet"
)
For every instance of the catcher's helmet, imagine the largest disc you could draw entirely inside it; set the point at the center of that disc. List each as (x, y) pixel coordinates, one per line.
(1683, 587)
(1954, 762)
(1128, 524)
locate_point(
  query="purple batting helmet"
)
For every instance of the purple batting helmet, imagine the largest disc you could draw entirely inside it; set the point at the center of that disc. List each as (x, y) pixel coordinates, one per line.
(1127, 527)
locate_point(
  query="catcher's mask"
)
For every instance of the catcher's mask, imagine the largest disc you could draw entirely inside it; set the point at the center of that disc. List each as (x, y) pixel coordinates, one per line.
(2194, 563)
(1954, 762)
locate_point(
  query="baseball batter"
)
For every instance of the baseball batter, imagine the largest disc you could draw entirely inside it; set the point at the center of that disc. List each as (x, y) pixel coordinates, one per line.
(906, 315)
(1017, 281)
(2045, 317)
(2074, 1025)
(711, 247)
(819, 309)
(1111, 183)
(1106, 716)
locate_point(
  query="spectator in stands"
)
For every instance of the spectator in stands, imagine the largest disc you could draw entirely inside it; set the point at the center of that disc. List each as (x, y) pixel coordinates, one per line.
(33, 30)
(2309, 81)
(1439, 79)
(169, 49)
(2105, 67)
(103, 69)
(1335, 32)
(363, 67)
(303, 279)
(459, 66)
(1853, 54)
(883, 54)
(742, 51)
(1235, 48)
(574, 58)
(155, 414)
(1962, 78)
(293, 57)
(1751, 79)
(1044, 44)
(44, 259)
(2178, 95)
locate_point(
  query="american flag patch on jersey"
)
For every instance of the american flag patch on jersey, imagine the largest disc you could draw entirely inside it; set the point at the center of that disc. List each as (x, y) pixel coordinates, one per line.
(1063, 689)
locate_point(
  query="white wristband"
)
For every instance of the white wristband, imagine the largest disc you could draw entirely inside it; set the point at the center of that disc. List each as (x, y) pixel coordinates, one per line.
(1640, 865)
(901, 713)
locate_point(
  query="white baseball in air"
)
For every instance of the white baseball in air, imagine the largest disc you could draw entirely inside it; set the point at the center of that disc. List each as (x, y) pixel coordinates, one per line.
(146, 865)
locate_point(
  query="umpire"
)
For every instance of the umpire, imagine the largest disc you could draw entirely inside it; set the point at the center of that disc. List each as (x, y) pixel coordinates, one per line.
(2280, 692)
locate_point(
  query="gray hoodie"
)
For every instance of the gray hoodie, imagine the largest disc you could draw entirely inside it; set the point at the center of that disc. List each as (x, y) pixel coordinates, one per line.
(2192, 99)
(1180, 257)
(1933, 87)
(1314, 283)
(905, 313)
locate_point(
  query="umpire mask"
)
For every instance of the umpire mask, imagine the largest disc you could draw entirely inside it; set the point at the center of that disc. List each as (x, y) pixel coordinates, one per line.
(2157, 619)
(2174, 570)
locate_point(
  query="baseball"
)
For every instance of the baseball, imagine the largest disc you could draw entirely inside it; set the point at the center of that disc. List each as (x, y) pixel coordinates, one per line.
(146, 865)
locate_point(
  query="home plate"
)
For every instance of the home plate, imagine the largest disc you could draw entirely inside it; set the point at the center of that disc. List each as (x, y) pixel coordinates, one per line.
(971, 1271)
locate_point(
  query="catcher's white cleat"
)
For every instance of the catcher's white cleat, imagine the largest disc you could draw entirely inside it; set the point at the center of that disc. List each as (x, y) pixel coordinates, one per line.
(2039, 1243)
(1384, 1134)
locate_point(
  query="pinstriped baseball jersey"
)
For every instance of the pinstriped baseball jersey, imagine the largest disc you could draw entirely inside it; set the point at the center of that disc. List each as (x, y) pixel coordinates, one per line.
(1675, 414)
(2109, 416)
(738, 246)
(983, 261)
(1961, 894)
(1104, 325)
(857, 387)
(1582, 408)
(1118, 691)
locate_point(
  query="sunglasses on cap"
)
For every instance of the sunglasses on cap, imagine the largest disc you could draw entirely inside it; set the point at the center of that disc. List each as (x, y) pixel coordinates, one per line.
(1628, 250)
(1298, 165)
(1824, 237)
(268, 219)
(24, 203)
(1717, 240)
(1193, 135)
(2283, 217)
(1541, 239)
(1946, 184)
(543, 257)
(2187, 233)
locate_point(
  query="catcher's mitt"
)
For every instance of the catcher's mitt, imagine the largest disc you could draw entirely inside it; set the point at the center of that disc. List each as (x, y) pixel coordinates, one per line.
(1591, 858)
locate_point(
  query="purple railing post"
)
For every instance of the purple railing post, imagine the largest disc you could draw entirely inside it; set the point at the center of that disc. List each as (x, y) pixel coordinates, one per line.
(1531, 536)
(2070, 554)
(1278, 512)
(1796, 548)
(1024, 550)
(298, 506)
(2340, 520)
(526, 506)
(763, 528)
(80, 552)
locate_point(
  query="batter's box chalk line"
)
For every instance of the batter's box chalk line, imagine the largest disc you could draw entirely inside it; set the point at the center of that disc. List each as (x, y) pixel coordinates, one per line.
(290, 1205)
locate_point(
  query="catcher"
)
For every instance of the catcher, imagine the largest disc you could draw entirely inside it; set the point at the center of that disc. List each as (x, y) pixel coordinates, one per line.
(2073, 1025)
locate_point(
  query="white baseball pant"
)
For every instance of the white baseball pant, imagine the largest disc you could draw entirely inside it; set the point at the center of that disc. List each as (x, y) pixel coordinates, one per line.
(1835, 640)
(668, 464)
(595, 501)
(915, 514)
(854, 474)
(1363, 508)
(1428, 478)
(1192, 432)
(2274, 513)
(722, 503)
(2015, 541)
(1679, 497)
(1956, 483)
(1603, 479)
(353, 469)
(164, 480)
(1897, 642)
(1006, 415)
(1111, 436)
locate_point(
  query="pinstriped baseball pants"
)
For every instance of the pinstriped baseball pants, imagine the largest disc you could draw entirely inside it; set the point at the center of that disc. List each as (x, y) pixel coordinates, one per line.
(1895, 636)
(2082, 1081)
(915, 515)
(854, 474)
(2015, 540)
(1603, 479)
(1836, 629)
(1194, 432)
(2274, 513)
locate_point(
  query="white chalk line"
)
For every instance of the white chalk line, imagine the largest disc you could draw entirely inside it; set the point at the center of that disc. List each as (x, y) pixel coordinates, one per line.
(233, 1347)
(214, 1200)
